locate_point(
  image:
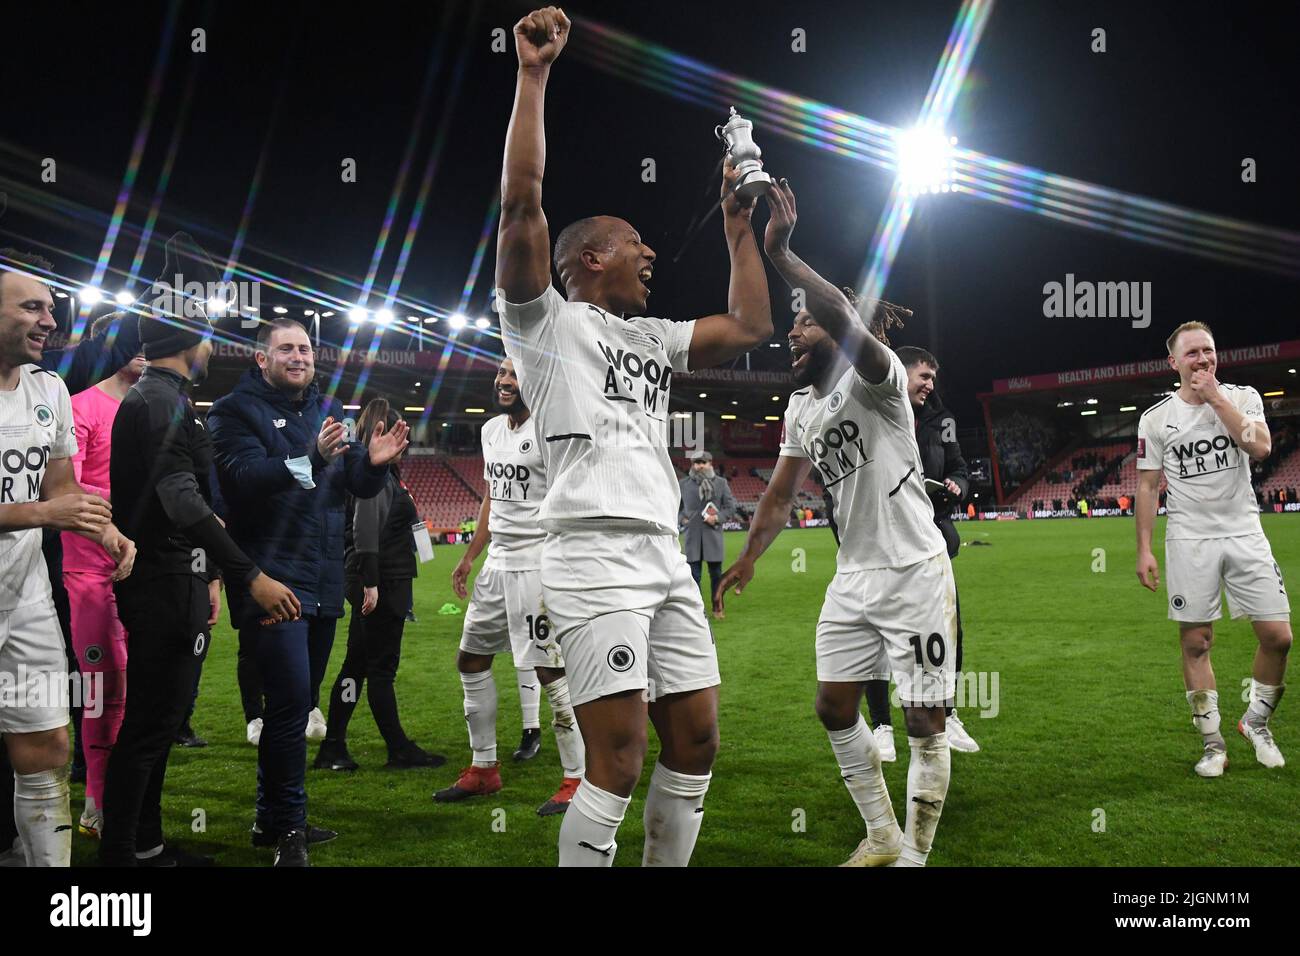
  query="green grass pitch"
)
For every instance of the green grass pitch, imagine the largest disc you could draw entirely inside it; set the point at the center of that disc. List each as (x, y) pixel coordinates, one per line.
(1088, 761)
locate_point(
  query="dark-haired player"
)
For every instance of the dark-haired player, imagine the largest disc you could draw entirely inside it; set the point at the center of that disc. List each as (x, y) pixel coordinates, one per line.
(891, 606)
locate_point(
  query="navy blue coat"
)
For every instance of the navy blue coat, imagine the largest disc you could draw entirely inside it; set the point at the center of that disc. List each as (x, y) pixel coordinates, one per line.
(293, 534)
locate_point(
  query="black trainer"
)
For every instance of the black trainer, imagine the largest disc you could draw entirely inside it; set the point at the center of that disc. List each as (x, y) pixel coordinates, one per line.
(334, 756)
(186, 737)
(291, 849)
(410, 756)
(174, 856)
(529, 744)
(267, 837)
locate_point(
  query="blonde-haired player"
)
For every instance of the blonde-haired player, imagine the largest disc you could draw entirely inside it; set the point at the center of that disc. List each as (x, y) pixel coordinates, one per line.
(1203, 437)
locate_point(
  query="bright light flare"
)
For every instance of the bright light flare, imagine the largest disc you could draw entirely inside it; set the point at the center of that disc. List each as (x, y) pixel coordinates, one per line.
(923, 157)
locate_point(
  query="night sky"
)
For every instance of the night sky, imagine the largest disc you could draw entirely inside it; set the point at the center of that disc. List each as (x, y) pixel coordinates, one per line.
(1184, 92)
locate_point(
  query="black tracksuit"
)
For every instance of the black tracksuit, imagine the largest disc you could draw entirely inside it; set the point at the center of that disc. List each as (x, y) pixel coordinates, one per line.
(161, 462)
(378, 553)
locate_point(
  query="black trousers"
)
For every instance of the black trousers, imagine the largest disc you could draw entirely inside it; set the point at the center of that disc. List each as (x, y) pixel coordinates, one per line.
(166, 621)
(715, 577)
(374, 652)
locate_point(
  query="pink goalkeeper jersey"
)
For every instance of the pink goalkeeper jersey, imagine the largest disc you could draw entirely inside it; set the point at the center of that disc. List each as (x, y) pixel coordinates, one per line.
(92, 415)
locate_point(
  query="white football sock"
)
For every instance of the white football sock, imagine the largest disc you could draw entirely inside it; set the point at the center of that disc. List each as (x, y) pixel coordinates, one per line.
(1205, 718)
(927, 786)
(481, 715)
(1263, 701)
(590, 825)
(530, 697)
(859, 759)
(43, 816)
(568, 738)
(674, 812)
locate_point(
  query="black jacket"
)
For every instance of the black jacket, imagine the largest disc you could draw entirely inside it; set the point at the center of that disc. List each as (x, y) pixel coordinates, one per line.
(377, 539)
(936, 438)
(161, 463)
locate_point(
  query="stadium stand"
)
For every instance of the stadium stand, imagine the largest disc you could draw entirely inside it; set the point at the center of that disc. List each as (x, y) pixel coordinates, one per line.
(442, 497)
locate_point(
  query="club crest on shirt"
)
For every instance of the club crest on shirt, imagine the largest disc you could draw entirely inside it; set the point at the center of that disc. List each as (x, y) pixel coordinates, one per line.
(44, 416)
(525, 446)
(837, 399)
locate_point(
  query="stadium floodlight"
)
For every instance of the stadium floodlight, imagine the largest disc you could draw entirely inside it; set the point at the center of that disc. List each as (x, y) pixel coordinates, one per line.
(90, 295)
(1290, 371)
(774, 345)
(384, 317)
(250, 308)
(412, 408)
(352, 408)
(771, 418)
(1091, 401)
(202, 404)
(776, 398)
(326, 315)
(217, 305)
(704, 394)
(124, 298)
(728, 418)
(475, 411)
(457, 321)
(430, 320)
(64, 295)
(417, 384)
(357, 314)
(280, 310)
(1278, 394)
(481, 324)
(734, 402)
(308, 311)
(923, 158)
(446, 424)
(1091, 411)
(1128, 408)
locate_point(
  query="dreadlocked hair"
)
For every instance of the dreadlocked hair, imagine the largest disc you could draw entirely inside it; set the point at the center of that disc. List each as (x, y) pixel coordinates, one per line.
(884, 315)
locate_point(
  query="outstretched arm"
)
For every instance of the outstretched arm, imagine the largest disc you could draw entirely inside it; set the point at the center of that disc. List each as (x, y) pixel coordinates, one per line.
(523, 242)
(769, 518)
(747, 323)
(827, 304)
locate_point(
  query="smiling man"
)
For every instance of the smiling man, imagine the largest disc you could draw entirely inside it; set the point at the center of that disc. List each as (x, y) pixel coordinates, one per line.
(891, 607)
(284, 470)
(1203, 438)
(617, 589)
(38, 489)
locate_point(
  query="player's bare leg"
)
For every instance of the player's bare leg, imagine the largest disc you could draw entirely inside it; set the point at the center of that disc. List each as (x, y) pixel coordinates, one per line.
(928, 774)
(568, 739)
(483, 775)
(838, 708)
(614, 730)
(1198, 677)
(1266, 688)
(687, 725)
(42, 811)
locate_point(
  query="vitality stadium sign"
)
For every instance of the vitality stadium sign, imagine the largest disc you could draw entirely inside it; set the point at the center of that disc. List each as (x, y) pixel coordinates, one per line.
(1131, 370)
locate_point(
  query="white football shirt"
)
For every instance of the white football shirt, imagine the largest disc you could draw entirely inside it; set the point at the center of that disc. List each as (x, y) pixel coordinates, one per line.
(598, 386)
(516, 482)
(1208, 475)
(862, 438)
(35, 426)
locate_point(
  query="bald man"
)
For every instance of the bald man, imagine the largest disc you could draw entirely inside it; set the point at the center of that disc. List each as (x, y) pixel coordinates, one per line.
(618, 593)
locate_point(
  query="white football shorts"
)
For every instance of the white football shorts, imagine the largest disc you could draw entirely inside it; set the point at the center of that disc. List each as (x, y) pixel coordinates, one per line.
(505, 613)
(1197, 572)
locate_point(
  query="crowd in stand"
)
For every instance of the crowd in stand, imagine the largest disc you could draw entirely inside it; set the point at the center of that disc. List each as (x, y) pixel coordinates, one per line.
(1024, 442)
